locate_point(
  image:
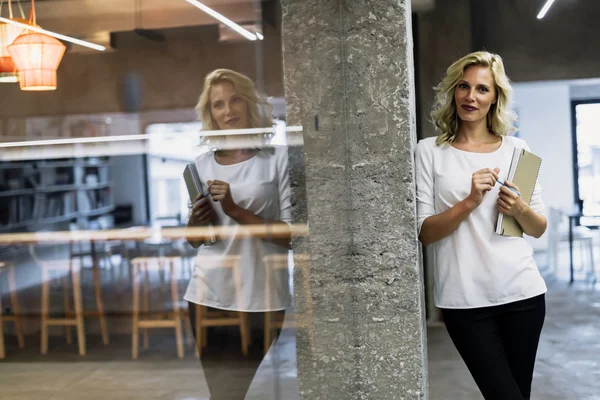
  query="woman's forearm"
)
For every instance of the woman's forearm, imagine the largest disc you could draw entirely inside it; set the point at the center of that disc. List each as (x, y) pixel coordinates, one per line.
(532, 223)
(245, 217)
(439, 226)
(194, 242)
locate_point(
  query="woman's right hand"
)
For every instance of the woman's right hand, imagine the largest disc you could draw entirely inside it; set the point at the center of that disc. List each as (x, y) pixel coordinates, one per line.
(482, 182)
(202, 211)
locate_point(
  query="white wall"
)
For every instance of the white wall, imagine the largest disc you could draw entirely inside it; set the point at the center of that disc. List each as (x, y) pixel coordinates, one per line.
(129, 185)
(544, 110)
(585, 89)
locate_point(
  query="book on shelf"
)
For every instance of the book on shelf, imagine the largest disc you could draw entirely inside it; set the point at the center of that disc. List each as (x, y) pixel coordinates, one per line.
(83, 202)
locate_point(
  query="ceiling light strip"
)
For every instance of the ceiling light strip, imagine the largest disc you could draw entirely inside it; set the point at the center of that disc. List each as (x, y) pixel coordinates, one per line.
(125, 138)
(244, 32)
(545, 9)
(54, 34)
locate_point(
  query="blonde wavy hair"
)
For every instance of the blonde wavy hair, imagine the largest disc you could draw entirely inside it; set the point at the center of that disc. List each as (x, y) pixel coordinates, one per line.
(259, 109)
(500, 118)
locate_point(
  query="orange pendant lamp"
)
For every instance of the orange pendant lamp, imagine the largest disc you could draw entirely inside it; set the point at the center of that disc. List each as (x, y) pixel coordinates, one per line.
(8, 33)
(37, 57)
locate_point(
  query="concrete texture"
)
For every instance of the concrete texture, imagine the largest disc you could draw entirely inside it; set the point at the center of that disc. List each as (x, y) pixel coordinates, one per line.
(348, 65)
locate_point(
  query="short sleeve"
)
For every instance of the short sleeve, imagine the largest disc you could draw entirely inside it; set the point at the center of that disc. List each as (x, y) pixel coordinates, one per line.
(283, 184)
(425, 182)
(536, 203)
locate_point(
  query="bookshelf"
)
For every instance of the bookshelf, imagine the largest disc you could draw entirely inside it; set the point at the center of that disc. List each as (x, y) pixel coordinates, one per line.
(41, 194)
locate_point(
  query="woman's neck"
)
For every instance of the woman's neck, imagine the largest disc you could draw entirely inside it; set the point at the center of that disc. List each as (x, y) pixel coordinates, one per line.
(475, 132)
(233, 153)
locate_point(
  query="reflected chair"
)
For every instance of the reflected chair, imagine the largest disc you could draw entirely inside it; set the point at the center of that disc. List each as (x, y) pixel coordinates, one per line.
(205, 318)
(143, 265)
(303, 319)
(15, 316)
(65, 269)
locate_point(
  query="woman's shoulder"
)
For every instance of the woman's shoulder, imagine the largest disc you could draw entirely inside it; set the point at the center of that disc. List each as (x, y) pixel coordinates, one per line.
(429, 145)
(516, 142)
(273, 153)
(203, 157)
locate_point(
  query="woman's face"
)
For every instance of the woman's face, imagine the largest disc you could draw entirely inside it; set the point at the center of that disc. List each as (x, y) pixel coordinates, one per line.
(227, 107)
(475, 93)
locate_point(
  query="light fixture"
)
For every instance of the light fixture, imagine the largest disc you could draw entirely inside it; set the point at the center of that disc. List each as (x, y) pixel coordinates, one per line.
(8, 33)
(9, 77)
(54, 34)
(36, 57)
(259, 36)
(141, 137)
(244, 32)
(545, 9)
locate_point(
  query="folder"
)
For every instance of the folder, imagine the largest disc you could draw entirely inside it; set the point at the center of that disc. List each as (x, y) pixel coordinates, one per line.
(523, 172)
(194, 187)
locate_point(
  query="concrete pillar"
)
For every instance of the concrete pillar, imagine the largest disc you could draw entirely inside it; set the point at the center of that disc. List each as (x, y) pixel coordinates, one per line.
(348, 71)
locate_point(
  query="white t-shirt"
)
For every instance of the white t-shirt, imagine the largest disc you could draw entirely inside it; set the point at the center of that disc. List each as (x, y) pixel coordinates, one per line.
(473, 266)
(262, 186)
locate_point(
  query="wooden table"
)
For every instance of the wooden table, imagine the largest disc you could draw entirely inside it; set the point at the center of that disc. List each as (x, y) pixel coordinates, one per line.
(143, 233)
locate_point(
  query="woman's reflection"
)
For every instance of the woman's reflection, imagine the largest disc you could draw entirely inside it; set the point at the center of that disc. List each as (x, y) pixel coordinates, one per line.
(249, 186)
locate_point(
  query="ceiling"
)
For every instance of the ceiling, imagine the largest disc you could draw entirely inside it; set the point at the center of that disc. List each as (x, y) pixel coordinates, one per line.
(94, 20)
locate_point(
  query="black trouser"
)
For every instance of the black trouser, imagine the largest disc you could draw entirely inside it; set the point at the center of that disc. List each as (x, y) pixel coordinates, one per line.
(217, 378)
(499, 345)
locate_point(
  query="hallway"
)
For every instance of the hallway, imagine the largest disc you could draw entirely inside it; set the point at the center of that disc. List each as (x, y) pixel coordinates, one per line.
(568, 366)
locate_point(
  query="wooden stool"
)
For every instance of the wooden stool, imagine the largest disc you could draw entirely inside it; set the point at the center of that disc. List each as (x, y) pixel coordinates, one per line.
(145, 264)
(74, 270)
(274, 320)
(81, 254)
(15, 317)
(205, 318)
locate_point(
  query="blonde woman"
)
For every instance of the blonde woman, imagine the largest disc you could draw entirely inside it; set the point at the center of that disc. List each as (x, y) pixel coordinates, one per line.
(488, 286)
(247, 186)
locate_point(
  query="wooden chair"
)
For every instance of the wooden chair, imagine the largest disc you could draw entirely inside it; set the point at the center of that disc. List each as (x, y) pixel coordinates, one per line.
(76, 251)
(73, 270)
(274, 320)
(558, 233)
(205, 318)
(160, 320)
(15, 317)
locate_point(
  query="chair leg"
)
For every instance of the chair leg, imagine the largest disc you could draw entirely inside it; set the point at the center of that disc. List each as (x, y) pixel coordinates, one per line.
(592, 266)
(188, 332)
(268, 330)
(77, 299)
(100, 304)
(146, 304)
(244, 332)
(199, 329)
(12, 285)
(45, 308)
(2, 350)
(135, 333)
(177, 316)
(67, 301)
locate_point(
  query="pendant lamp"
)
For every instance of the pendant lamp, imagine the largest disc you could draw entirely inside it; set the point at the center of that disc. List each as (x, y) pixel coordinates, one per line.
(8, 33)
(37, 57)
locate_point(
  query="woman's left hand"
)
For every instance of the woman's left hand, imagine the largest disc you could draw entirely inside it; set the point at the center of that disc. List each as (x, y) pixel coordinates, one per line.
(221, 192)
(510, 203)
